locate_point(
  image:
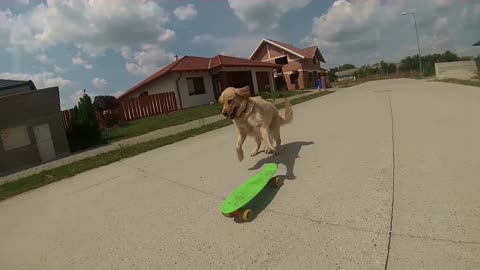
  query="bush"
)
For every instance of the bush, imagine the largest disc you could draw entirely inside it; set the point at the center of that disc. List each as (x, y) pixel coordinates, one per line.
(103, 103)
(107, 108)
(85, 132)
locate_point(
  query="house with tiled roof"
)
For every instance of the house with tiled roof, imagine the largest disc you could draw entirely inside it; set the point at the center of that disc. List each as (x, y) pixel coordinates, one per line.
(301, 67)
(200, 80)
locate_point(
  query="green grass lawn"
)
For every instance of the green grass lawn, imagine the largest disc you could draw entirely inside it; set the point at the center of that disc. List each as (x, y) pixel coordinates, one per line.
(148, 124)
(25, 184)
(464, 82)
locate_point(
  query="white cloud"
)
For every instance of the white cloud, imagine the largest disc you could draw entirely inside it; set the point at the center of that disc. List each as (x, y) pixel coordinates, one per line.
(44, 59)
(126, 52)
(93, 26)
(363, 32)
(77, 60)
(58, 69)
(187, 12)
(149, 60)
(167, 36)
(441, 24)
(266, 14)
(99, 83)
(238, 46)
(41, 80)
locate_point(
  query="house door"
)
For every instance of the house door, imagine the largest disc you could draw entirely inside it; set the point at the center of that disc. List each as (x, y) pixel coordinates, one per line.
(44, 142)
(218, 87)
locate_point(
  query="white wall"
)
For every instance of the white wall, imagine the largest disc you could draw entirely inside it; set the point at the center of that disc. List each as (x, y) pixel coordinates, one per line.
(456, 70)
(168, 84)
(162, 85)
(196, 100)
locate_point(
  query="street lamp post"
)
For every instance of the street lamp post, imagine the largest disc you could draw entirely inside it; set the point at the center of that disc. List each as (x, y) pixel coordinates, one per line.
(418, 41)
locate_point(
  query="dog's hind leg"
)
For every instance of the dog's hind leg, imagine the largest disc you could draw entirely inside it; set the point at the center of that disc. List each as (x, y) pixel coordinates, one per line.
(266, 141)
(258, 141)
(277, 139)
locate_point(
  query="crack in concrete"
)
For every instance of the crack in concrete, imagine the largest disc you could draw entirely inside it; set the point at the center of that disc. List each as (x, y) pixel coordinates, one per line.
(393, 180)
(437, 239)
(173, 181)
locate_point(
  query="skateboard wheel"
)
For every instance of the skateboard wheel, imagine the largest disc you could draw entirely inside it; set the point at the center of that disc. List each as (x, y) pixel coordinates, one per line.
(247, 215)
(276, 182)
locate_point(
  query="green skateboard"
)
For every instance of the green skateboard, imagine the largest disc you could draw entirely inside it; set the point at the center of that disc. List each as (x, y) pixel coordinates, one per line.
(234, 204)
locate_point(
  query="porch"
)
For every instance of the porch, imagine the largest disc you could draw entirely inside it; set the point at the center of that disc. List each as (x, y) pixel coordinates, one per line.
(258, 79)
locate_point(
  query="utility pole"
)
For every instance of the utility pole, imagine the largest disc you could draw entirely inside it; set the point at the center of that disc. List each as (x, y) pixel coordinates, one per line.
(418, 41)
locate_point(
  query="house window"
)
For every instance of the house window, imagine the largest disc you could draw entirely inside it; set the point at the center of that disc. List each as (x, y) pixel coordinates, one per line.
(195, 86)
(144, 94)
(314, 61)
(13, 138)
(281, 60)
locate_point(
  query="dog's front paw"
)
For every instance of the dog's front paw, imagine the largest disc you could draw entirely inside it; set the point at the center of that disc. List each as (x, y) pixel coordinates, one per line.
(269, 151)
(272, 151)
(240, 155)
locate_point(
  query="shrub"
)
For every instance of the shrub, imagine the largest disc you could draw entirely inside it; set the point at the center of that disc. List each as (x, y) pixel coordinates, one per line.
(108, 111)
(85, 132)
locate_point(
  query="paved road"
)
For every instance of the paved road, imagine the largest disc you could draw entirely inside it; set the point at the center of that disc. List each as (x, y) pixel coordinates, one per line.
(343, 167)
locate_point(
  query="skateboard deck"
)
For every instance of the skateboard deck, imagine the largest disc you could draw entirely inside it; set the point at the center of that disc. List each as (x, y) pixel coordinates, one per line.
(234, 203)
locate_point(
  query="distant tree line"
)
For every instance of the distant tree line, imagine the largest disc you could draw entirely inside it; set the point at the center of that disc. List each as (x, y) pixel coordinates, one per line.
(408, 64)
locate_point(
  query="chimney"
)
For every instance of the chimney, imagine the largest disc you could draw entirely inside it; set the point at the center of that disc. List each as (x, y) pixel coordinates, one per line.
(176, 57)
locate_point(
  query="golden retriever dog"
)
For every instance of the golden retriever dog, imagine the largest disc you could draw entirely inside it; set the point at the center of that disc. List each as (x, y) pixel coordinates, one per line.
(254, 117)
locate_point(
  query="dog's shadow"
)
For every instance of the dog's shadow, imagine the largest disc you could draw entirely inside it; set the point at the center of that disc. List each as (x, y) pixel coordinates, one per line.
(287, 156)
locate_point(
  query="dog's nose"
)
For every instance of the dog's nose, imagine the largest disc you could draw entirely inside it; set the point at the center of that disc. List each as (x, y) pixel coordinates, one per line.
(225, 113)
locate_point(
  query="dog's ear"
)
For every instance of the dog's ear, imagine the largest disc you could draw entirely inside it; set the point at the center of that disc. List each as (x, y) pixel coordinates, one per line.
(220, 99)
(243, 92)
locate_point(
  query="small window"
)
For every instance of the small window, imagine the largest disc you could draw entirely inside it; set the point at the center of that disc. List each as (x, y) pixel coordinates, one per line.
(144, 94)
(13, 138)
(282, 60)
(314, 61)
(195, 86)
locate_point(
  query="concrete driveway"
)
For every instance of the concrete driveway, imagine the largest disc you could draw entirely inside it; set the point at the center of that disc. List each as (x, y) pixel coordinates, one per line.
(350, 160)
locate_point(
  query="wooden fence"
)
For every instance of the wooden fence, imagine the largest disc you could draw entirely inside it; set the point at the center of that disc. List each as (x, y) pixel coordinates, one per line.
(135, 108)
(67, 120)
(145, 106)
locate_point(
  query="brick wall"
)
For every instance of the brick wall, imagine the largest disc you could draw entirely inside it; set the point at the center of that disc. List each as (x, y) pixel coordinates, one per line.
(308, 64)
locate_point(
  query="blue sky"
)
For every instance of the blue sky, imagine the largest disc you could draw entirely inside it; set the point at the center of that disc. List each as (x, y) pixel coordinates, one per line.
(107, 46)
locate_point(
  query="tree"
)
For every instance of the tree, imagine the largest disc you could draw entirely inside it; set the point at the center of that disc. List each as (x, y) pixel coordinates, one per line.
(102, 103)
(345, 67)
(331, 74)
(85, 132)
(428, 62)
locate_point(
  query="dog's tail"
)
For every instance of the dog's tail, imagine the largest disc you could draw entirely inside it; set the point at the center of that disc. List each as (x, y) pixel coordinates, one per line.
(288, 113)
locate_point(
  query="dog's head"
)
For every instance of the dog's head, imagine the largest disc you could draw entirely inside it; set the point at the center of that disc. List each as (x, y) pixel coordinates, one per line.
(234, 101)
